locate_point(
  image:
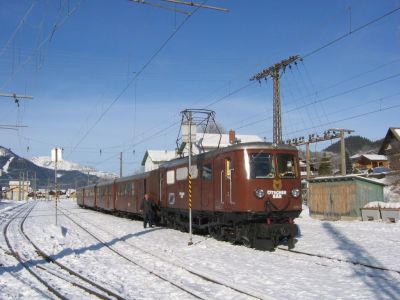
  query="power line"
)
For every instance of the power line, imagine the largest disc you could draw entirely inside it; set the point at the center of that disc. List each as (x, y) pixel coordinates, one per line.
(21, 22)
(327, 98)
(351, 32)
(134, 78)
(56, 26)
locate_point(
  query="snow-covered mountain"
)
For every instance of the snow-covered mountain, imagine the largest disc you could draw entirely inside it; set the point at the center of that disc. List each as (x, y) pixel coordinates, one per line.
(41, 170)
(46, 162)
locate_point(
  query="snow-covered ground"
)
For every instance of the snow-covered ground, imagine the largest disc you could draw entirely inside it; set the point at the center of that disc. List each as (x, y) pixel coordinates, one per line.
(157, 261)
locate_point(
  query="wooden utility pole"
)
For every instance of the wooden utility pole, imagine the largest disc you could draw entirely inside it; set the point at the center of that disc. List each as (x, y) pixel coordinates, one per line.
(330, 134)
(275, 72)
(342, 133)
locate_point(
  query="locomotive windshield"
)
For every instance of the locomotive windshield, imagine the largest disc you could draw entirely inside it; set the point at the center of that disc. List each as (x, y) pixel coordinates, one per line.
(261, 165)
(286, 166)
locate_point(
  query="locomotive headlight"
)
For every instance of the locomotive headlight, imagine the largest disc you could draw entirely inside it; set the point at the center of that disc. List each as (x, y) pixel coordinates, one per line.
(296, 193)
(259, 193)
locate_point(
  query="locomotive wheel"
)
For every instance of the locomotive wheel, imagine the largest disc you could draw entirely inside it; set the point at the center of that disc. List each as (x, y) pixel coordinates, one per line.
(215, 232)
(247, 242)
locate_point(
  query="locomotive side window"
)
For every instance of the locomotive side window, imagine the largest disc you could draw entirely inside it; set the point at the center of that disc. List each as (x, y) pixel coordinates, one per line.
(171, 177)
(286, 166)
(171, 198)
(206, 172)
(195, 172)
(182, 173)
(228, 168)
(261, 165)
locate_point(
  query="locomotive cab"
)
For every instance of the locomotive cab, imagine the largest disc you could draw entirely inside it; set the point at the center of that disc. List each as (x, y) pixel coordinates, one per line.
(257, 191)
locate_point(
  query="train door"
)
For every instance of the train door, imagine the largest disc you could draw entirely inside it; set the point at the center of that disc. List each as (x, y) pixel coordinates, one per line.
(206, 182)
(163, 188)
(224, 191)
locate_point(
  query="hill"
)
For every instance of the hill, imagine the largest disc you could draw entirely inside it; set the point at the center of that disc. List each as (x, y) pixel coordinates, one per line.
(14, 167)
(356, 144)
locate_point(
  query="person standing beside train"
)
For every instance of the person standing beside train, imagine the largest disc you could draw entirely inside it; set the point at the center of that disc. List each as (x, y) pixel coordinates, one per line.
(148, 208)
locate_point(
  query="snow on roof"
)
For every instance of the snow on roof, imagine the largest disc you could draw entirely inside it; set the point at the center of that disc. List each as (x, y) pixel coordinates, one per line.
(210, 140)
(397, 131)
(374, 157)
(346, 177)
(159, 155)
(380, 204)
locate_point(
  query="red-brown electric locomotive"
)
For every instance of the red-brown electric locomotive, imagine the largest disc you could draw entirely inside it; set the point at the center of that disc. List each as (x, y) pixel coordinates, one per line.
(245, 193)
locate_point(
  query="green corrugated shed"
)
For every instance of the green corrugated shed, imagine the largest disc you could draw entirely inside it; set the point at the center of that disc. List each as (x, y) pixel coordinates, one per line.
(342, 197)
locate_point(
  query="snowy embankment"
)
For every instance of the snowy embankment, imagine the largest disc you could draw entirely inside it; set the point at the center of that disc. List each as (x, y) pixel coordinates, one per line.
(157, 254)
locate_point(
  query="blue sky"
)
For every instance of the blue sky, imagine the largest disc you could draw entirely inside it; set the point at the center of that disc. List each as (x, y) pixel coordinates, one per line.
(88, 94)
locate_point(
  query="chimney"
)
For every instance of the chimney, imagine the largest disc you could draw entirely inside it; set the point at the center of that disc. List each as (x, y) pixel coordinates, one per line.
(232, 137)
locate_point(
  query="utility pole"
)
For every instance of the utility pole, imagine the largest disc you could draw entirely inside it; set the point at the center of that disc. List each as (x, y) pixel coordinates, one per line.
(274, 71)
(190, 177)
(19, 187)
(191, 118)
(329, 134)
(342, 147)
(35, 186)
(120, 165)
(55, 180)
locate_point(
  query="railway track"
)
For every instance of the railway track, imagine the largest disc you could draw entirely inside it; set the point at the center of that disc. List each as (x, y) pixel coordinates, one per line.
(60, 281)
(298, 252)
(197, 275)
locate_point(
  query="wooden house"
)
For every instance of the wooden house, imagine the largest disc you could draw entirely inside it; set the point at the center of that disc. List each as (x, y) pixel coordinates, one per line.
(391, 148)
(369, 161)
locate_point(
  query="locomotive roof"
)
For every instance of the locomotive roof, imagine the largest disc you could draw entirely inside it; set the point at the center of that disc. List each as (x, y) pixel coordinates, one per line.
(235, 147)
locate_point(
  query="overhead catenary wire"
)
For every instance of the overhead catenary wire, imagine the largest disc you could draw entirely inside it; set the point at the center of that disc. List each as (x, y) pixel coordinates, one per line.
(56, 26)
(346, 109)
(351, 32)
(21, 22)
(137, 74)
(326, 98)
(230, 94)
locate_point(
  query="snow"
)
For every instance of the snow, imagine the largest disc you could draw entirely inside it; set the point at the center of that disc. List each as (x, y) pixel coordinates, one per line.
(7, 164)
(380, 204)
(375, 157)
(165, 253)
(47, 162)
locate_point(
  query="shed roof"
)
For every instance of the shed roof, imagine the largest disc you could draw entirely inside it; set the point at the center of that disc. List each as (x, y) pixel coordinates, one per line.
(345, 178)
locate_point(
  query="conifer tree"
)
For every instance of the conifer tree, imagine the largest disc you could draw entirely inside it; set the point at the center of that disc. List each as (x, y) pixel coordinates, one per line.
(325, 165)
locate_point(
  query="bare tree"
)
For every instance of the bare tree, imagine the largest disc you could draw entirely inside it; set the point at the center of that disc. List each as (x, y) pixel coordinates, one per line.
(212, 128)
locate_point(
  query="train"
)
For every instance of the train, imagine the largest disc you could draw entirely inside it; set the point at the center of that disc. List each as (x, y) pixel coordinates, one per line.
(248, 193)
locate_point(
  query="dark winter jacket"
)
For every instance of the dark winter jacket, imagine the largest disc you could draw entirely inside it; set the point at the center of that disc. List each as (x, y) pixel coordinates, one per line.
(148, 207)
